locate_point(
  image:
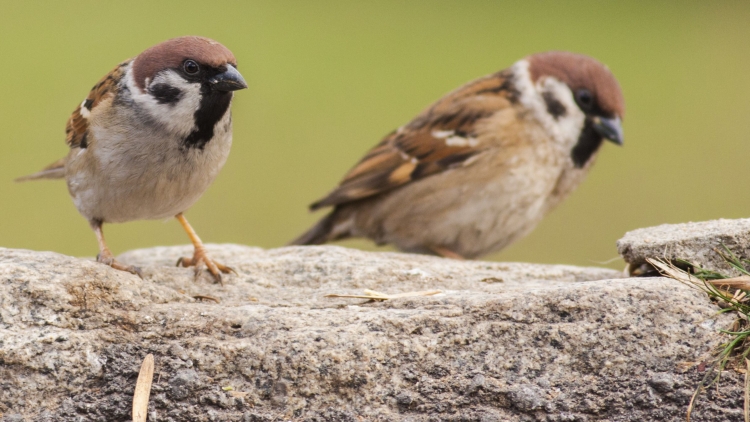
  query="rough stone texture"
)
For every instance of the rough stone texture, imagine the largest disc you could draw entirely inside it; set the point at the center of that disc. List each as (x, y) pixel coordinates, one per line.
(505, 342)
(693, 242)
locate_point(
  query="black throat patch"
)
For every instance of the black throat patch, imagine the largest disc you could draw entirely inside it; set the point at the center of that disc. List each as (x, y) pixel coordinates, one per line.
(213, 106)
(588, 143)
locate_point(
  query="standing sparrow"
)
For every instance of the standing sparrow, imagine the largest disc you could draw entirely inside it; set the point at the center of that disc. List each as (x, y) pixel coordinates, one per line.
(481, 167)
(150, 138)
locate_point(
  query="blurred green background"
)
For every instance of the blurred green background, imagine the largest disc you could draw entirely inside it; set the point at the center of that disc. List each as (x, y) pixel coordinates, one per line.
(328, 79)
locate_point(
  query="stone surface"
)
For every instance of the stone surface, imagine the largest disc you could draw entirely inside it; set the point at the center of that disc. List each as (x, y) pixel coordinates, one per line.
(693, 242)
(504, 342)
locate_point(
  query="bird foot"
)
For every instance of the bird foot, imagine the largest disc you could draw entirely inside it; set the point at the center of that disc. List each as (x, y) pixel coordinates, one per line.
(108, 259)
(200, 259)
(446, 253)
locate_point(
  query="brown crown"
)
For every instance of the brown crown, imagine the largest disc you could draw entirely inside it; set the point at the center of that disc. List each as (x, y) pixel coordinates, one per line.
(579, 71)
(171, 54)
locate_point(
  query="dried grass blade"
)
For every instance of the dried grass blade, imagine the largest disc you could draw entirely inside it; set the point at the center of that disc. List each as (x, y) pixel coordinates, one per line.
(335, 295)
(143, 389)
(373, 295)
(413, 294)
(671, 271)
(741, 282)
(692, 402)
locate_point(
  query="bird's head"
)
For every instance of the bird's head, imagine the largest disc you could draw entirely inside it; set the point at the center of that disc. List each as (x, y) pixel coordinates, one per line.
(187, 84)
(581, 96)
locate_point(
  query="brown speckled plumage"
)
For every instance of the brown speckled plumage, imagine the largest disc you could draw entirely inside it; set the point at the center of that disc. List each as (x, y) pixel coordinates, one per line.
(482, 166)
(129, 156)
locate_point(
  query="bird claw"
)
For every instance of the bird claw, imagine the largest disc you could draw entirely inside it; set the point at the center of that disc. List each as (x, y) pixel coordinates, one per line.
(446, 253)
(200, 259)
(110, 260)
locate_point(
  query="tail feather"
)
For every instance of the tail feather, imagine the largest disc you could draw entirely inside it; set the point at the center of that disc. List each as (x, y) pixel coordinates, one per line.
(55, 170)
(328, 229)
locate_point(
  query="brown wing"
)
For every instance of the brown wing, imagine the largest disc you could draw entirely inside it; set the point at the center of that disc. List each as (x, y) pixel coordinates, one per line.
(442, 137)
(76, 131)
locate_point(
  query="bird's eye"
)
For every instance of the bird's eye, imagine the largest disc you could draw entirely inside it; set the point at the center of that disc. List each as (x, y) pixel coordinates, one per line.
(585, 99)
(191, 67)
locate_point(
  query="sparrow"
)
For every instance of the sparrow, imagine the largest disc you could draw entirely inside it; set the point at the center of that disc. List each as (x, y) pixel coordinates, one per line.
(481, 167)
(150, 138)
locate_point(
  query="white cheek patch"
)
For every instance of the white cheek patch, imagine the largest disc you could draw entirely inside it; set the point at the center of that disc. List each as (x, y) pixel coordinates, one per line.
(565, 128)
(570, 124)
(177, 117)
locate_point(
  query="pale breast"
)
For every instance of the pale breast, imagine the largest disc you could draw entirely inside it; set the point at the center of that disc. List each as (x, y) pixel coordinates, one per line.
(467, 214)
(479, 208)
(134, 172)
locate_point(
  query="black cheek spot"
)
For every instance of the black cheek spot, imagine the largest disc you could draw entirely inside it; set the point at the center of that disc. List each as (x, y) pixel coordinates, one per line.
(554, 107)
(165, 94)
(588, 143)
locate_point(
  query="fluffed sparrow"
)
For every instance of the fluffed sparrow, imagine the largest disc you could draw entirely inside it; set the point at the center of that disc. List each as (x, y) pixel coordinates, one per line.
(150, 138)
(481, 167)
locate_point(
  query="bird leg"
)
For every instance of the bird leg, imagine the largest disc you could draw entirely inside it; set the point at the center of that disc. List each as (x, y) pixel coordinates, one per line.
(105, 255)
(200, 258)
(446, 253)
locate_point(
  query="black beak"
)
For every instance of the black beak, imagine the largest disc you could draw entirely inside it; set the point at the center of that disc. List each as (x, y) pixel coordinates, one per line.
(610, 129)
(229, 80)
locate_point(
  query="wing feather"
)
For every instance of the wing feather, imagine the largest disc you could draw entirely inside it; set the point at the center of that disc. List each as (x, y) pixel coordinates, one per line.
(442, 137)
(76, 130)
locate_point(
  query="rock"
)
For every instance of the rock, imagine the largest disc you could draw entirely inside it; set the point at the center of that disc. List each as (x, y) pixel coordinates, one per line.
(662, 382)
(692, 242)
(504, 342)
(527, 397)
